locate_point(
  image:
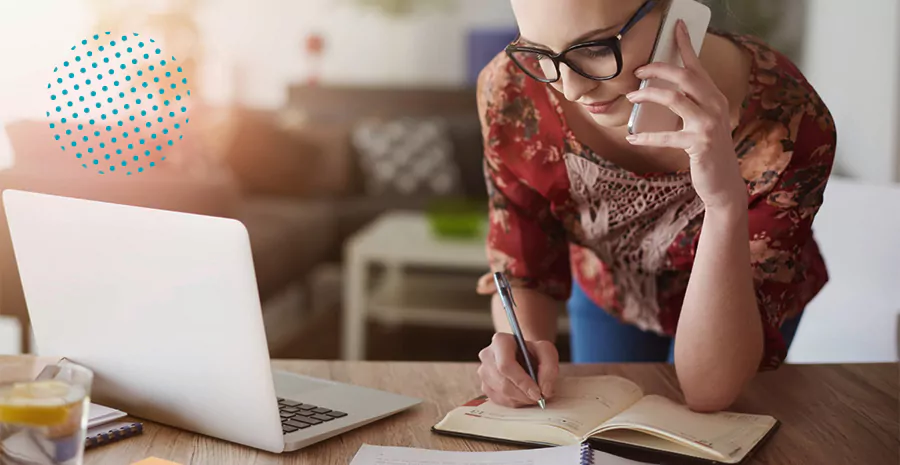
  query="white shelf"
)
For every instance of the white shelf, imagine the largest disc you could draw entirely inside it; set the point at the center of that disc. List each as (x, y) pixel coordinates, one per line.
(10, 336)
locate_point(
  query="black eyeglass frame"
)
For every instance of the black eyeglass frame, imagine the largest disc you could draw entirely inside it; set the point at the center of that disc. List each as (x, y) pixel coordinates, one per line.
(614, 43)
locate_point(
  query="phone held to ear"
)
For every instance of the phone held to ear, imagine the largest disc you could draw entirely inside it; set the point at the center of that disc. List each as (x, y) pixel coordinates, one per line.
(652, 117)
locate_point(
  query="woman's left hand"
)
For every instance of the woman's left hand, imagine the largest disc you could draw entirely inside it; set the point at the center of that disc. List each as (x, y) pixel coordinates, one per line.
(706, 133)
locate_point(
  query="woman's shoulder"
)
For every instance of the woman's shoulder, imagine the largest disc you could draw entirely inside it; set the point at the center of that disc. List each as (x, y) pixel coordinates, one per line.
(786, 129)
(777, 84)
(505, 93)
(517, 112)
(500, 81)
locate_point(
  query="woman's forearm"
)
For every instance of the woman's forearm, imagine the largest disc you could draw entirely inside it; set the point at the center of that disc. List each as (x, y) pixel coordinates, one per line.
(536, 313)
(719, 340)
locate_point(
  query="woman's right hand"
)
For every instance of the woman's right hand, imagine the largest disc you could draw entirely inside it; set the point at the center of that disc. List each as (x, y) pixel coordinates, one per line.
(504, 379)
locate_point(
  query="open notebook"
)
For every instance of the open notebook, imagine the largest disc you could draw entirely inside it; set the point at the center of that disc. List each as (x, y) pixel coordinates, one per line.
(614, 411)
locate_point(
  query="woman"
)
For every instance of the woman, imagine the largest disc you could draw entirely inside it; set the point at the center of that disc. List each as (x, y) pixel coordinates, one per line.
(581, 210)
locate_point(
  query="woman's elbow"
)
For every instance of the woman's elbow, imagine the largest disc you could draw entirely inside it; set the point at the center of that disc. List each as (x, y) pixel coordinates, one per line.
(710, 400)
(714, 385)
(712, 392)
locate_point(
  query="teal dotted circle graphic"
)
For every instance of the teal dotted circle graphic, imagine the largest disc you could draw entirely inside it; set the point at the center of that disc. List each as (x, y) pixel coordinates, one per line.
(84, 111)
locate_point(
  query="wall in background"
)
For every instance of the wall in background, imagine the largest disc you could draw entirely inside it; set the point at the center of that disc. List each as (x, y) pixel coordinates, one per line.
(33, 35)
(782, 24)
(252, 62)
(852, 57)
(252, 50)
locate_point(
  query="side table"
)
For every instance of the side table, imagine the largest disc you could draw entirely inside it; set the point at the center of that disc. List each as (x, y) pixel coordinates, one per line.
(427, 280)
(397, 241)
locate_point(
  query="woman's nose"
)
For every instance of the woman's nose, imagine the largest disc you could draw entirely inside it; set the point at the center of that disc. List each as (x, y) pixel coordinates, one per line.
(574, 86)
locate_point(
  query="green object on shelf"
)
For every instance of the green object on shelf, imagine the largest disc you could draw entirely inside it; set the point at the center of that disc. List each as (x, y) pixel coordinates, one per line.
(457, 219)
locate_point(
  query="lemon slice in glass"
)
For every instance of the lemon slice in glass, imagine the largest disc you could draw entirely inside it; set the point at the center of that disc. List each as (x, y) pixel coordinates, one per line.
(38, 403)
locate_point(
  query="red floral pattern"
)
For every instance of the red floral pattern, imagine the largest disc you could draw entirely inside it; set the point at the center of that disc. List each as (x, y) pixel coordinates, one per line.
(785, 144)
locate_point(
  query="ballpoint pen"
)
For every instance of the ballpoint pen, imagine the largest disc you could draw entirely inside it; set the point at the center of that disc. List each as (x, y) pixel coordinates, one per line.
(506, 297)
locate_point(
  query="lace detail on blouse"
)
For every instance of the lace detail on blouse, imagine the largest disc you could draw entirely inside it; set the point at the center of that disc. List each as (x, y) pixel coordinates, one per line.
(629, 223)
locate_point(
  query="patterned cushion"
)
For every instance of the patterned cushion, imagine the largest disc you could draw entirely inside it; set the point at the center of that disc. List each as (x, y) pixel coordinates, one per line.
(407, 156)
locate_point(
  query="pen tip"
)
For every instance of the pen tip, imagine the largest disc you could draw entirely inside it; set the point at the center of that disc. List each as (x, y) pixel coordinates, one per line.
(542, 403)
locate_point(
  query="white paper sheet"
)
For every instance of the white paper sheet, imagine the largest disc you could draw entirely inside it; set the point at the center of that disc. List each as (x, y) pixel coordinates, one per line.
(99, 415)
(568, 455)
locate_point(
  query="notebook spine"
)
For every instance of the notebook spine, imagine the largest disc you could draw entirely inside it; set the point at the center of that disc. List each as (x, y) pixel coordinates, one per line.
(587, 454)
(114, 435)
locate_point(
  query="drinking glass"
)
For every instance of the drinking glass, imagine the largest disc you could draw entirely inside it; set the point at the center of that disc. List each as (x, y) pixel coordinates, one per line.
(43, 413)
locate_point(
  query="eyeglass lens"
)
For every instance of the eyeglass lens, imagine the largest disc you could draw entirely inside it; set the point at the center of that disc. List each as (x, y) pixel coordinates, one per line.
(595, 60)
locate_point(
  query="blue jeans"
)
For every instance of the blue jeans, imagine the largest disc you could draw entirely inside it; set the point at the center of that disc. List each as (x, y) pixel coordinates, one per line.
(598, 337)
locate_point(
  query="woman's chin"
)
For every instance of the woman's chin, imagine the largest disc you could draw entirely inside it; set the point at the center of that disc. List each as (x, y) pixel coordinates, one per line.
(616, 119)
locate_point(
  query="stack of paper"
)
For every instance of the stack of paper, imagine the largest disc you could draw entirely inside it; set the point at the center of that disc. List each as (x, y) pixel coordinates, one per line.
(100, 415)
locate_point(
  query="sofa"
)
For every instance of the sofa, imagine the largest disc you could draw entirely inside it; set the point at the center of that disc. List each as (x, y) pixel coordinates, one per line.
(317, 165)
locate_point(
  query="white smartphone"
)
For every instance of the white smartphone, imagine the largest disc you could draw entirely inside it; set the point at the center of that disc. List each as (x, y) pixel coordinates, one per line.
(652, 117)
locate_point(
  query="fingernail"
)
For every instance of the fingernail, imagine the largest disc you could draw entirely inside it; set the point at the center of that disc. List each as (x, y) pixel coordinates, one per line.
(631, 138)
(640, 72)
(682, 25)
(534, 394)
(631, 95)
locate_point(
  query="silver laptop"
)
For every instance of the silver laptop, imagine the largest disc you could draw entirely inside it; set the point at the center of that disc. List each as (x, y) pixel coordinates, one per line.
(164, 307)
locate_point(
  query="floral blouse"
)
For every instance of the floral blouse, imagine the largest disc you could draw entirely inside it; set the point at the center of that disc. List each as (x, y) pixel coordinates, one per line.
(559, 212)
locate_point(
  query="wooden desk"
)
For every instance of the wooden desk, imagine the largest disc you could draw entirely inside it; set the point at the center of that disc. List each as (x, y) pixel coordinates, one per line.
(836, 414)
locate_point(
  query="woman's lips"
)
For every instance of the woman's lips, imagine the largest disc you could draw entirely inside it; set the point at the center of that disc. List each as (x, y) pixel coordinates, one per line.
(599, 108)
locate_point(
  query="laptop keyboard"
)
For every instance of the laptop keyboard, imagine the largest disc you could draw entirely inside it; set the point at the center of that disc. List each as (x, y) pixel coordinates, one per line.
(297, 415)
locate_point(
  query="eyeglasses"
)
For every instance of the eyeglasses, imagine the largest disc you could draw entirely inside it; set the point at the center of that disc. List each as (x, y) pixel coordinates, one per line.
(599, 60)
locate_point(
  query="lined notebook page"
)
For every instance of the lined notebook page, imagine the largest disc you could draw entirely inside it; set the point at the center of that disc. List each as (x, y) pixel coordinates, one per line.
(731, 434)
(568, 455)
